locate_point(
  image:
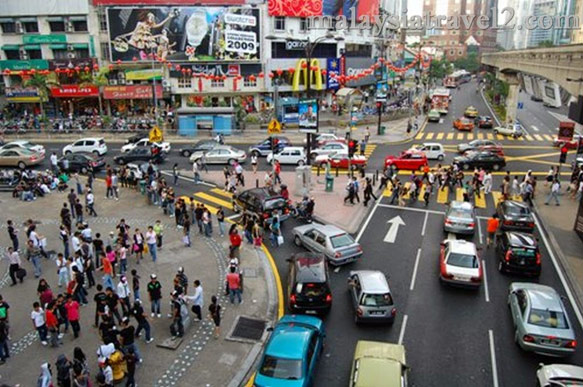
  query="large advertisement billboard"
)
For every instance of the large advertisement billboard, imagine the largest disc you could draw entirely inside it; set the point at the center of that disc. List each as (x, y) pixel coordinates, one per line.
(306, 8)
(308, 115)
(185, 33)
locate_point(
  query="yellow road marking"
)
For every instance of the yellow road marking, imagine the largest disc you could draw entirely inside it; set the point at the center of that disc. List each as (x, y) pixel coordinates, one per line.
(407, 185)
(422, 191)
(548, 137)
(443, 195)
(388, 191)
(510, 138)
(521, 138)
(529, 137)
(480, 201)
(419, 136)
(439, 136)
(499, 137)
(497, 196)
(459, 194)
(450, 136)
(516, 198)
(212, 209)
(538, 137)
(460, 136)
(429, 135)
(480, 136)
(470, 136)
(490, 136)
(219, 191)
(529, 157)
(215, 200)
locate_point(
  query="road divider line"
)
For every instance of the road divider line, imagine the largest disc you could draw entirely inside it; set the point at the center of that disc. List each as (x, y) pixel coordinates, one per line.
(364, 226)
(424, 224)
(411, 209)
(415, 269)
(486, 292)
(402, 332)
(493, 359)
(480, 232)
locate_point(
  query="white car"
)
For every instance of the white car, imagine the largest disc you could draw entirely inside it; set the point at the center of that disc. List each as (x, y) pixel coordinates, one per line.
(224, 154)
(557, 375)
(459, 263)
(432, 150)
(329, 148)
(509, 130)
(95, 145)
(324, 138)
(145, 142)
(289, 155)
(23, 144)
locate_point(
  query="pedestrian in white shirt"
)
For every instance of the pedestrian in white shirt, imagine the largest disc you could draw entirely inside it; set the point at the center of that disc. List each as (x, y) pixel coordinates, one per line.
(151, 240)
(487, 183)
(90, 202)
(76, 242)
(39, 322)
(196, 172)
(197, 300)
(54, 161)
(554, 194)
(14, 260)
(124, 292)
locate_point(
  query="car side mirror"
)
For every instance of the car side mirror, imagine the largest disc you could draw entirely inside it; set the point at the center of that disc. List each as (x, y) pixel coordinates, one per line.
(269, 329)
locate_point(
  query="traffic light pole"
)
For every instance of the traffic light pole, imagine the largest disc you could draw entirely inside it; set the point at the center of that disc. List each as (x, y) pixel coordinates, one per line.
(308, 92)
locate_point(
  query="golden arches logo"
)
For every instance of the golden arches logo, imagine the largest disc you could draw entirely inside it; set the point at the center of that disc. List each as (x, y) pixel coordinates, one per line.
(302, 71)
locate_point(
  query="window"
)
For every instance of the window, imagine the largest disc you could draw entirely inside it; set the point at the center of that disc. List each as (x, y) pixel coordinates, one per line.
(218, 83)
(303, 24)
(79, 25)
(102, 19)
(249, 83)
(81, 53)
(184, 83)
(57, 26)
(460, 53)
(60, 54)
(548, 318)
(279, 23)
(34, 54)
(8, 27)
(30, 26)
(104, 47)
(12, 54)
(279, 368)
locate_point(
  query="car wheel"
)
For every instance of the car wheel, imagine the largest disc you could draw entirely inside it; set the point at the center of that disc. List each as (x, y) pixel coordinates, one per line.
(440, 158)
(256, 153)
(96, 153)
(68, 152)
(21, 165)
(185, 153)
(231, 161)
(83, 170)
(297, 241)
(466, 167)
(516, 339)
(301, 162)
(496, 167)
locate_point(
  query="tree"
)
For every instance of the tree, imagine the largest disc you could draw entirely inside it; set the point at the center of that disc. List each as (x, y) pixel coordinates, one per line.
(546, 44)
(42, 84)
(438, 69)
(96, 78)
(469, 63)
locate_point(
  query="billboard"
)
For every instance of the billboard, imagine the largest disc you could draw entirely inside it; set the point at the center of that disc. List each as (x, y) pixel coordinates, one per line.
(131, 92)
(308, 115)
(333, 68)
(185, 33)
(295, 8)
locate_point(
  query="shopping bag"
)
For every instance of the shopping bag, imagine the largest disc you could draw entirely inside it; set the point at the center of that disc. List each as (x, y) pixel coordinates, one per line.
(280, 240)
(146, 250)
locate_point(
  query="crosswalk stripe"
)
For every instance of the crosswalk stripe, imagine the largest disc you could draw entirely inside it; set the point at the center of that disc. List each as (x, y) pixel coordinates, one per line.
(422, 190)
(538, 137)
(450, 136)
(480, 136)
(480, 201)
(497, 197)
(490, 136)
(516, 198)
(443, 195)
(460, 136)
(459, 194)
(419, 136)
(439, 136)
(388, 191)
(470, 136)
(215, 200)
(406, 195)
(548, 137)
(332, 171)
(212, 209)
(510, 138)
(529, 137)
(521, 138)
(429, 136)
(499, 137)
(221, 192)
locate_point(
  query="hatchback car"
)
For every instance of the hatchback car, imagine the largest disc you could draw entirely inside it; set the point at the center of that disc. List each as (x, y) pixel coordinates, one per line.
(409, 160)
(308, 284)
(264, 147)
(262, 202)
(328, 149)
(509, 130)
(200, 146)
(374, 361)
(463, 123)
(432, 150)
(518, 252)
(480, 145)
(471, 112)
(223, 154)
(81, 162)
(540, 320)
(139, 154)
(484, 122)
(459, 263)
(294, 155)
(95, 145)
(433, 115)
(371, 297)
(20, 157)
(292, 352)
(460, 218)
(145, 142)
(515, 216)
(559, 375)
(336, 244)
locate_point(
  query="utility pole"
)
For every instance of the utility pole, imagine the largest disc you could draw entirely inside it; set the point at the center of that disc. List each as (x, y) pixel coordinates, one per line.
(308, 92)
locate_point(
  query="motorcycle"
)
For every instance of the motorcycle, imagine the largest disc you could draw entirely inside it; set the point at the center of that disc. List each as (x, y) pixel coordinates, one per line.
(299, 211)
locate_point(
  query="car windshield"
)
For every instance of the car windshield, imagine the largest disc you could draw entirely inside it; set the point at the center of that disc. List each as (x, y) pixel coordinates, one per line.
(279, 368)
(377, 299)
(272, 204)
(517, 210)
(341, 240)
(460, 213)
(463, 260)
(312, 289)
(548, 319)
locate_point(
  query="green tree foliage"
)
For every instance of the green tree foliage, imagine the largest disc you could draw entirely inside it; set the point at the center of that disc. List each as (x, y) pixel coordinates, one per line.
(469, 63)
(43, 84)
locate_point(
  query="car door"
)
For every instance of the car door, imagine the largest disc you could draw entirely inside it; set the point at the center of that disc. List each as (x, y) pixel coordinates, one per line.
(78, 146)
(355, 290)
(9, 157)
(89, 146)
(312, 357)
(284, 157)
(295, 156)
(309, 239)
(320, 243)
(521, 310)
(212, 156)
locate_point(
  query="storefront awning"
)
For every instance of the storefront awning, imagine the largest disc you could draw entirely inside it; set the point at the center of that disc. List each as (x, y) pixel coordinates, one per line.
(78, 18)
(55, 19)
(80, 45)
(11, 47)
(58, 46)
(344, 92)
(6, 20)
(31, 46)
(27, 19)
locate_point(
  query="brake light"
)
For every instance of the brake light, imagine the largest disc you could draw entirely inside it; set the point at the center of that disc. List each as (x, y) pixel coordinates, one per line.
(476, 279)
(531, 224)
(447, 221)
(508, 222)
(528, 338)
(359, 249)
(328, 298)
(571, 344)
(538, 260)
(359, 312)
(292, 299)
(472, 224)
(443, 270)
(393, 311)
(508, 256)
(32, 158)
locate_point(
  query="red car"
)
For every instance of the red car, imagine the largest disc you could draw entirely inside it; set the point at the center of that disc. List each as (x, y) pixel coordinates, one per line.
(340, 160)
(410, 159)
(463, 124)
(573, 144)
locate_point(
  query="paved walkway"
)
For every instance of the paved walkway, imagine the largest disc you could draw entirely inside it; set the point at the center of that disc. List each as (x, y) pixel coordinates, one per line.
(200, 360)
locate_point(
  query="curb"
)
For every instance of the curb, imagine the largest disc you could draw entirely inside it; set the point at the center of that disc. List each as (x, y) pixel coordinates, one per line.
(490, 108)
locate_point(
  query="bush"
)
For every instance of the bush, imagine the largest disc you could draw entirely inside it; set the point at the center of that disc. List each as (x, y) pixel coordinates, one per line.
(252, 119)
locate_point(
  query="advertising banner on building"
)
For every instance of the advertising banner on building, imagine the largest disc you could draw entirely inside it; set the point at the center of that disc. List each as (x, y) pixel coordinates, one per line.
(308, 115)
(356, 66)
(332, 69)
(144, 75)
(20, 65)
(68, 91)
(166, 2)
(131, 92)
(22, 94)
(185, 33)
(71, 63)
(306, 8)
(228, 70)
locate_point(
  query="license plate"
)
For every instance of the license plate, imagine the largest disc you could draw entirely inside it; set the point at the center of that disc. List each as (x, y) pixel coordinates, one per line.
(549, 342)
(310, 312)
(464, 279)
(376, 312)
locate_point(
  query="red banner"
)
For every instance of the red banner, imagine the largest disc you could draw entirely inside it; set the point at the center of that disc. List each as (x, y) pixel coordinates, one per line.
(67, 91)
(131, 92)
(167, 2)
(333, 8)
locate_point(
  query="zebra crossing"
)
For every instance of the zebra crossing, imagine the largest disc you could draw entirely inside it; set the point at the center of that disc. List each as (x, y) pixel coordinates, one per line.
(213, 199)
(368, 151)
(468, 136)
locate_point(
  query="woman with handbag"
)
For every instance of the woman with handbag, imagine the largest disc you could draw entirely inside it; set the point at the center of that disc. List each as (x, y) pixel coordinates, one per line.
(138, 247)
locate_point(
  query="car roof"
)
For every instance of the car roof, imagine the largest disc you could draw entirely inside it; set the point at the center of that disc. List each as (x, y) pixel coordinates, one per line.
(563, 371)
(380, 350)
(293, 148)
(544, 297)
(310, 267)
(289, 340)
(328, 229)
(227, 147)
(521, 239)
(461, 205)
(20, 142)
(461, 246)
(513, 203)
(90, 138)
(372, 281)
(432, 144)
(262, 193)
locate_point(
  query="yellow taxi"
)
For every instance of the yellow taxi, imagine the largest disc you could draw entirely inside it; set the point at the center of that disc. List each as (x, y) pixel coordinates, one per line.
(471, 112)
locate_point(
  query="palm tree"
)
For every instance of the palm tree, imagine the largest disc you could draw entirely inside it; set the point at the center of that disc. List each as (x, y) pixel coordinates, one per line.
(42, 83)
(98, 79)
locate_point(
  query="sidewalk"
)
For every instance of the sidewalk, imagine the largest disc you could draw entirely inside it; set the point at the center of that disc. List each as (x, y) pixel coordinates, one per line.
(199, 359)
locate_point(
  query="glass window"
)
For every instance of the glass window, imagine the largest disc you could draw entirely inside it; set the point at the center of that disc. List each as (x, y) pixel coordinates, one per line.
(34, 54)
(274, 367)
(462, 260)
(79, 25)
(217, 83)
(12, 54)
(341, 240)
(516, 210)
(279, 23)
(60, 54)
(303, 24)
(57, 26)
(312, 289)
(548, 319)
(8, 27)
(30, 27)
(184, 83)
(275, 203)
(376, 299)
(104, 47)
(102, 19)
(249, 83)
(81, 53)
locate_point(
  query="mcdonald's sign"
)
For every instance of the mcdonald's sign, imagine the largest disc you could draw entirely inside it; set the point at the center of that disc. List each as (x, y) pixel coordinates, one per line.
(302, 71)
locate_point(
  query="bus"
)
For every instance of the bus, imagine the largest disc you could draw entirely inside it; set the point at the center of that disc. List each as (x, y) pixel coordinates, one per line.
(440, 100)
(457, 78)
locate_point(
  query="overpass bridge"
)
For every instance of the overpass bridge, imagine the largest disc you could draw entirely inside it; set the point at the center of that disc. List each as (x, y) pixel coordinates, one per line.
(557, 64)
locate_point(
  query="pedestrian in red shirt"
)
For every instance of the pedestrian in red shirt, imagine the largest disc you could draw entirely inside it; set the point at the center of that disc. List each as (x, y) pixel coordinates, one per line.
(72, 307)
(52, 324)
(234, 283)
(235, 239)
(108, 185)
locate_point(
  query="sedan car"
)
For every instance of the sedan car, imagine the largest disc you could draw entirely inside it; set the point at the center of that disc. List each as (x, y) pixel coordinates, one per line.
(509, 130)
(371, 297)
(145, 142)
(139, 154)
(518, 252)
(484, 122)
(460, 218)
(324, 138)
(459, 263)
(515, 216)
(409, 160)
(95, 145)
(481, 145)
(264, 147)
(463, 123)
(433, 115)
(80, 162)
(540, 320)
(486, 160)
(374, 361)
(20, 157)
(292, 352)
(340, 160)
(432, 150)
(328, 149)
(200, 146)
(23, 144)
(223, 154)
(471, 112)
(336, 244)
(559, 375)
(262, 202)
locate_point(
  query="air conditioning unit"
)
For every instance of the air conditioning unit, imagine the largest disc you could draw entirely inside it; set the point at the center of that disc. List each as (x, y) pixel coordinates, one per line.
(23, 54)
(71, 55)
(129, 82)
(166, 83)
(113, 82)
(19, 28)
(70, 47)
(69, 27)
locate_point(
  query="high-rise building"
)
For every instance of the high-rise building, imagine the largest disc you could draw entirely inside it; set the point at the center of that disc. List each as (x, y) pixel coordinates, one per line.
(541, 8)
(577, 34)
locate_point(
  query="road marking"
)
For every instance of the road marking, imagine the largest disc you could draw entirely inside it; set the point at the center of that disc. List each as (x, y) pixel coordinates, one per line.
(480, 136)
(534, 128)
(189, 179)
(424, 224)
(548, 137)
(388, 191)
(493, 359)
(212, 209)
(377, 204)
(459, 194)
(214, 200)
(490, 108)
(234, 216)
(529, 137)
(470, 136)
(440, 136)
(480, 232)
(497, 196)
(411, 209)
(443, 195)
(450, 136)
(429, 135)
(499, 137)
(415, 269)
(480, 200)
(393, 229)
(221, 192)
(402, 333)
(460, 136)
(406, 196)
(419, 136)
(486, 293)
(451, 236)
(490, 136)
(538, 137)
(422, 191)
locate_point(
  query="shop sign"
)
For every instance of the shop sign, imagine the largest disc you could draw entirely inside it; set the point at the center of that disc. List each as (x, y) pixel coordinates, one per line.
(356, 66)
(19, 65)
(44, 39)
(68, 91)
(166, 2)
(131, 92)
(144, 75)
(229, 70)
(332, 68)
(295, 44)
(70, 63)
(25, 94)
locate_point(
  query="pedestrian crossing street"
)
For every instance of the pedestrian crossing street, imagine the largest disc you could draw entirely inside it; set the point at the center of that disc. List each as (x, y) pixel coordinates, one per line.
(368, 151)
(468, 136)
(212, 200)
(444, 196)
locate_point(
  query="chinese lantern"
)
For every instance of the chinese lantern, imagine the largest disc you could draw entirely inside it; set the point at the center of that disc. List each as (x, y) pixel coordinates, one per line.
(224, 77)
(7, 72)
(177, 67)
(271, 75)
(200, 84)
(183, 71)
(135, 58)
(291, 70)
(118, 61)
(110, 67)
(32, 71)
(77, 69)
(324, 72)
(235, 83)
(169, 65)
(261, 75)
(279, 72)
(304, 65)
(382, 60)
(95, 67)
(252, 78)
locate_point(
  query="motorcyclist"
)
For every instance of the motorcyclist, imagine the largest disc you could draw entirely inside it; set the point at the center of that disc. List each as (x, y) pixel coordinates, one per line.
(284, 192)
(310, 207)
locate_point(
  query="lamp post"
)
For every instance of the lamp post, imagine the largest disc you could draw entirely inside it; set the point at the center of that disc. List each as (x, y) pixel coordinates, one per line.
(154, 97)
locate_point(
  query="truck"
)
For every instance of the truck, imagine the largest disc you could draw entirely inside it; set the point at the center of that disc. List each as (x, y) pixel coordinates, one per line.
(440, 100)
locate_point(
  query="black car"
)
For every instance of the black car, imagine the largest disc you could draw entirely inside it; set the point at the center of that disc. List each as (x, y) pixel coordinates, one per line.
(484, 122)
(140, 154)
(262, 202)
(308, 285)
(486, 160)
(80, 162)
(518, 252)
(515, 216)
(203, 145)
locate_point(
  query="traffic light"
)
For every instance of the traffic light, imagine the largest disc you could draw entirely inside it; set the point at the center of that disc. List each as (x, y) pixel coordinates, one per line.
(563, 156)
(351, 148)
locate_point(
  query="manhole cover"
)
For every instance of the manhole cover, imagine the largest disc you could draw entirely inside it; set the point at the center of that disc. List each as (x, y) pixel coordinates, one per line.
(248, 328)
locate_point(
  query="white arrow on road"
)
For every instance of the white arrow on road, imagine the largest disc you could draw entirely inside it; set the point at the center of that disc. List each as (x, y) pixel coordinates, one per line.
(394, 229)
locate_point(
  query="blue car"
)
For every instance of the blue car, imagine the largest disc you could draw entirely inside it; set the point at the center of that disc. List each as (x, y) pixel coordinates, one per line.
(264, 147)
(292, 352)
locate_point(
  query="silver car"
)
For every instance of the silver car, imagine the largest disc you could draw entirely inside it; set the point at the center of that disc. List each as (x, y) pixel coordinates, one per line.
(557, 375)
(223, 154)
(336, 244)
(328, 149)
(541, 321)
(371, 297)
(460, 218)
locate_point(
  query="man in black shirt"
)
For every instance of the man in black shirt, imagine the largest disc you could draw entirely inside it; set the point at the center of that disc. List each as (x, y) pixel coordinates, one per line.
(98, 248)
(126, 336)
(142, 319)
(100, 299)
(155, 292)
(108, 331)
(12, 233)
(177, 329)
(112, 303)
